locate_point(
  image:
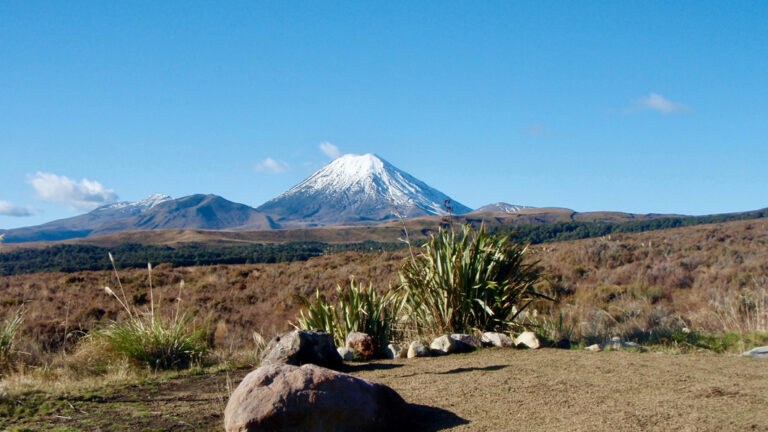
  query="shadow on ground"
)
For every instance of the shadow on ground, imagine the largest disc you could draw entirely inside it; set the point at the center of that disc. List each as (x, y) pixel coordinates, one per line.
(472, 369)
(359, 367)
(432, 419)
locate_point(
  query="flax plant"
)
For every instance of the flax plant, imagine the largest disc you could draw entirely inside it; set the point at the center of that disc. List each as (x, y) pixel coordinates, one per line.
(359, 309)
(468, 281)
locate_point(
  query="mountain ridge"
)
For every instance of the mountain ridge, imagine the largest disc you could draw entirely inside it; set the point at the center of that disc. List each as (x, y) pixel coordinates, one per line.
(351, 190)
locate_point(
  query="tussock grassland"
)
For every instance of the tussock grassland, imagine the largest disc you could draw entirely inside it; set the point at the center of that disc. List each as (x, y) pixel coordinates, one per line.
(656, 286)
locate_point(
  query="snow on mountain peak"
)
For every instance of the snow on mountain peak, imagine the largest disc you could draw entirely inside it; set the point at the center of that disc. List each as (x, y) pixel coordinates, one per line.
(152, 201)
(370, 185)
(142, 205)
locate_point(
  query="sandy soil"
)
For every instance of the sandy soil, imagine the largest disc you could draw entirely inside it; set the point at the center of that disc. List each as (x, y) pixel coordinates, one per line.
(490, 390)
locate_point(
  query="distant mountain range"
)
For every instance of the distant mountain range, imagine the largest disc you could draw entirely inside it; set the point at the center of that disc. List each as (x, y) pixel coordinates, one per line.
(351, 190)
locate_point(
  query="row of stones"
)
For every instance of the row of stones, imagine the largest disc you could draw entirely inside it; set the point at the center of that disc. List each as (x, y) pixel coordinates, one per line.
(360, 346)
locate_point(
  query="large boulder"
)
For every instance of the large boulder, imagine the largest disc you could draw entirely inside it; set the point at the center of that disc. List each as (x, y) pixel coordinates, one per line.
(497, 339)
(300, 347)
(759, 352)
(362, 344)
(309, 398)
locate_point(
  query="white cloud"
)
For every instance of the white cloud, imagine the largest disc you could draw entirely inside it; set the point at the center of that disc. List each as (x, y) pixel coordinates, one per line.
(272, 166)
(538, 130)
(330, 150)
(82, 195)
(659, 103)
(8, 209)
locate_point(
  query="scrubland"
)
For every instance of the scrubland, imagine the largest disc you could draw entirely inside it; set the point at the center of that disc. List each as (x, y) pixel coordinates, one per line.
(700, 289)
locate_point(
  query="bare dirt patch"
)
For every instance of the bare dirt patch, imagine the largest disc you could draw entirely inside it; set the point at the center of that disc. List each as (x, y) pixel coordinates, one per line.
(490, 390)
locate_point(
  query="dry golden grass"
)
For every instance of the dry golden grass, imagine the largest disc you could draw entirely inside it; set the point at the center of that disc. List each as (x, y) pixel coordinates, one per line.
(708, 277)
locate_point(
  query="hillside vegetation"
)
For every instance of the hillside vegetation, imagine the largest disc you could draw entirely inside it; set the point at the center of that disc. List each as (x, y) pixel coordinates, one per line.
(191, 248)
(708, 278)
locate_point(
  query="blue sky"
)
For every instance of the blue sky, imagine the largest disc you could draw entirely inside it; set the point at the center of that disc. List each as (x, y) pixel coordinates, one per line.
(628, 106)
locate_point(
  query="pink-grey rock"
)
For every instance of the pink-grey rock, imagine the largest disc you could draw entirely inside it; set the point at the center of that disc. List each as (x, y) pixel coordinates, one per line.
(362, 344)
(300, 347)
(283, 398)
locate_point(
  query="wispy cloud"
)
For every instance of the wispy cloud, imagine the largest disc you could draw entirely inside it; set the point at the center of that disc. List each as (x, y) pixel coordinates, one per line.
(538, 130)
(271, 166)
(8, 209)
(82, 195)
(657, 102)
(330, 150)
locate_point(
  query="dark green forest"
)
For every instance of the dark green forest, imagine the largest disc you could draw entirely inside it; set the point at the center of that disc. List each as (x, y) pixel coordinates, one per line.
(71, 258)
(563, 231)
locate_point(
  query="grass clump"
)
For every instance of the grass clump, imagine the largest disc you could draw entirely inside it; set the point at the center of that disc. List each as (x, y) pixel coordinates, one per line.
(151, 339)
(359, 309)
(471, 281)
(159, 342)
(9, 329)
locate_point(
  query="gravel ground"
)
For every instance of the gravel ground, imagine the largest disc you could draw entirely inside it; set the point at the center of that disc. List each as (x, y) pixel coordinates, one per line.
(489, 390)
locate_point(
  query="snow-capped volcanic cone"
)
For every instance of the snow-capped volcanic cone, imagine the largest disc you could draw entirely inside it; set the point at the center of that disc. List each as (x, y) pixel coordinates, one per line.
(356, 189)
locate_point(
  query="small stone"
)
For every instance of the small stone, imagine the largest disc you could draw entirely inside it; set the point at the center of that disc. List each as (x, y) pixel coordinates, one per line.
(527, 339)
(616, 344)
(443, 345)
(361, 343)
(417, 349)
(346, 354)
(759, 352)
(497, 339)
(395, 351)
(467, 340)
(593, 348)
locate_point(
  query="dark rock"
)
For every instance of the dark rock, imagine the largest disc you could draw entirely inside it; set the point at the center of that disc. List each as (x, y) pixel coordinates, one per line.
(300, 347)
(466, 339)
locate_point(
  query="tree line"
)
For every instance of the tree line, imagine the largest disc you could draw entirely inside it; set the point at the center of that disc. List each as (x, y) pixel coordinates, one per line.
(72, 258)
